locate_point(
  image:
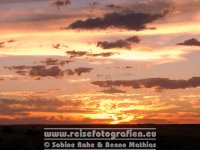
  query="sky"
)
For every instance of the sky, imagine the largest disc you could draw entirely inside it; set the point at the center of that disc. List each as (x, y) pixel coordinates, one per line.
(99, 62)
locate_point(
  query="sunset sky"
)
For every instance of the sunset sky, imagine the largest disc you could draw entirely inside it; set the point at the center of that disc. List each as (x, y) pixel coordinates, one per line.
(99, 61)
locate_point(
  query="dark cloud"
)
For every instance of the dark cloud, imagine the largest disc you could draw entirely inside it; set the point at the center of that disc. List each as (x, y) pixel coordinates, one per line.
(190, 42)
(82, 70)
(21, 72)
(128, 21)
(107, 54)
(44, 71)
(77, 53)
(52, 62)
(116, 44)
(78, 71)
(133, 39)
(158, 84)
(113, 6)
(87, 54)
(60, 3)
(127, 43)
(22, 67)
(69, 72)
(112, 90)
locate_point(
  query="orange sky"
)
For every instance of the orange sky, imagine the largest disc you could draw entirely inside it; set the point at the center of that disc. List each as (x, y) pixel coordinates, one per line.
(98, 61)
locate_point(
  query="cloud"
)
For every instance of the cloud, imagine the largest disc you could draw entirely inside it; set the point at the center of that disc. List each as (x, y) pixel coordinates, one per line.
(37, 71)
(127, 43)
(21, 72)
(112, 90)
(52, 62)
(78, 71)
(113, 6)
(22, 67)
(82, 70)
(107, 54)
(128, 21)
(87, 54)
(158, 84)
(43, 71)
(60, 3)
(190, 42)
(77, 53)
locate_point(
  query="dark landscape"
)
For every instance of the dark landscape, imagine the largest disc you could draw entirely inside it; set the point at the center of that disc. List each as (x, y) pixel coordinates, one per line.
(169, 137)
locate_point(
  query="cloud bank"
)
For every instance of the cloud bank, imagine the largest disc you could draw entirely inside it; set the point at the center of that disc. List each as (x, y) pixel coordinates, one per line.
(190, 42)
(128, 21)
(127, 43)
(158, 84)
